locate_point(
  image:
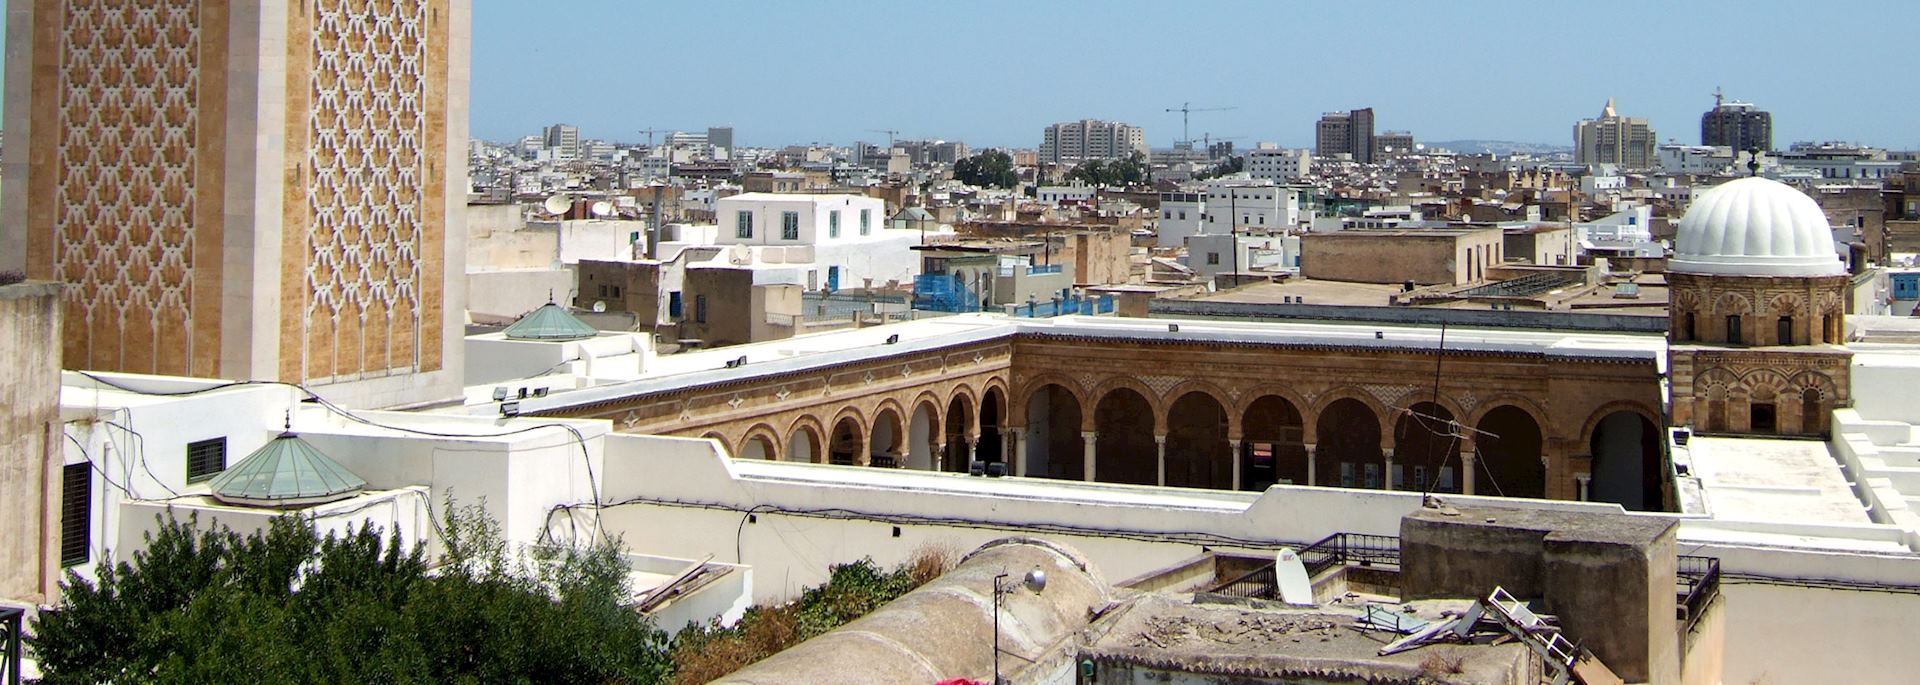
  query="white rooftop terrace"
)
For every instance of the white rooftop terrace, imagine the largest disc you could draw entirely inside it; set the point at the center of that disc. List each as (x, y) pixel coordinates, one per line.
(851, 345)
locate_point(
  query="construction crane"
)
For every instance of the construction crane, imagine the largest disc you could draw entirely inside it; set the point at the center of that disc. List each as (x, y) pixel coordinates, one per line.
(890, 134)
(650, 132)
(1186, 111)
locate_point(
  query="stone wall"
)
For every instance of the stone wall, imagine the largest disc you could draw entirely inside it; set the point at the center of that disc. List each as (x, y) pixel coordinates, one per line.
(30, 459)
(1610, 578)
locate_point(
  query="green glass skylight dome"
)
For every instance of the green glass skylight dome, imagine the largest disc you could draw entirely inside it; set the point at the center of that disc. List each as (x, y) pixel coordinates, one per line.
(287, 472)
(550, 322)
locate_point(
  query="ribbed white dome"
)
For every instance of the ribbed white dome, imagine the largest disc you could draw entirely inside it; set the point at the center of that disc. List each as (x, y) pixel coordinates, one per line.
(1755, 227)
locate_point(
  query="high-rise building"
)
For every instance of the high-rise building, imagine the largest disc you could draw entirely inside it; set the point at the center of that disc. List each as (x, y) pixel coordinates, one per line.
(721, 138)
(1392, 144)
(563, 140)
(1077, 141)
(259, 190)
(1346, 133)
(1614, 139)
(1737, 125)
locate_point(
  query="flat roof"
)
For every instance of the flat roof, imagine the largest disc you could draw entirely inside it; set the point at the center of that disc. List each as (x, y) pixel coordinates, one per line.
(1172, 632)
(1774, 480)
(1400, 232)
(820, 350)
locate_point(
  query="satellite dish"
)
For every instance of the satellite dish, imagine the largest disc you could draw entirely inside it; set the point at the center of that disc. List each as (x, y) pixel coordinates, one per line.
(1290, 573)
(602, 208)
(558, 204)
(599, 306)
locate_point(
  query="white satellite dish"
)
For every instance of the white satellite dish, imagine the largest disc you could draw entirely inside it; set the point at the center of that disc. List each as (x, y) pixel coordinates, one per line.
(599, 306)
(602, 208)
(558, 204)
(1290, 573)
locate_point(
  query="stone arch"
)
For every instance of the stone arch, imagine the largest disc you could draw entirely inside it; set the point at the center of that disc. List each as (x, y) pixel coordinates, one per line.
(1344, 392)
(1511, 455)
(1507, 399)
(1732, 303)
(1594, 417)
(957, 431)
(1293, 397)
(766, 439)
(924, 433)
(721, 438)
(1272, 448)
(1686, 299)
(1124, 447)
(887, 435)
(1209, 388)
(1017, 401)
(993, 416)
(1786, 304)
(1154, 400)
(1427, 446)
(964, 391)
(1764, 383)
(806, 441)
(1053, 418)
(1626, 467)
(1198, 453)
(1348, 450)
(847, 439)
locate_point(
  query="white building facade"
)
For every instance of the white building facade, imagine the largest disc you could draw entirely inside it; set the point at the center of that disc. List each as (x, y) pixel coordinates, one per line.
(1279, 165)
(834, 241)
(1077, 141)
(1249, 205)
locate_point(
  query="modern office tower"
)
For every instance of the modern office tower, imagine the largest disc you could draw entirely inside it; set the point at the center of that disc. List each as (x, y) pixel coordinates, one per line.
(1737, 125)
(1076, 141)
(1614, 139)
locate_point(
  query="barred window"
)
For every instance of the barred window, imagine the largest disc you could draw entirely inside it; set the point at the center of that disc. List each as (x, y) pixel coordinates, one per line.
(206, 459)
(76, 514)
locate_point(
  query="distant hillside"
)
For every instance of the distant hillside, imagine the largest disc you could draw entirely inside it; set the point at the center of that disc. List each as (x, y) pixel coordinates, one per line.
(1504, 147)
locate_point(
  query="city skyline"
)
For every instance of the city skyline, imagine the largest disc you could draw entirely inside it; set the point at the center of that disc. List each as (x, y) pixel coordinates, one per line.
(1009, 71)
(1016, 76)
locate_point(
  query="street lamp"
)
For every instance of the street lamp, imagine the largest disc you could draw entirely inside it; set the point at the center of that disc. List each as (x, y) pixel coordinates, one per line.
(1036, 580)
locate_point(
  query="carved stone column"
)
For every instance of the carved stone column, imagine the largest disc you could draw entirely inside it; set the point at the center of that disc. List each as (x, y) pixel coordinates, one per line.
(1233, 448)
(1160, 459)
(1089, 436)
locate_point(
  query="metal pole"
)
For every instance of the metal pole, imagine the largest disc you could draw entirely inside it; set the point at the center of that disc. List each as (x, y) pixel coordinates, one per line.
(996, 628)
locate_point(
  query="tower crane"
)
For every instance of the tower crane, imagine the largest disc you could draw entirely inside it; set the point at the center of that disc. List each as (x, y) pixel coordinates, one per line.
(650, 132)
(890, 134)
(1186, 110)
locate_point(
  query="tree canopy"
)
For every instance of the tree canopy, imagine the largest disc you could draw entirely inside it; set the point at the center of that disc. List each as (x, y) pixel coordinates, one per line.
(285, 605)
(1119, 172)
(993, 168)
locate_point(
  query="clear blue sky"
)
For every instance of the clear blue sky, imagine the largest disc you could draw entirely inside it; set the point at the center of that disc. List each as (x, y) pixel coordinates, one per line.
(994, 72)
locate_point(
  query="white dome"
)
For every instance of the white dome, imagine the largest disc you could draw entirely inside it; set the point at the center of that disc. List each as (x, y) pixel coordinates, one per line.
(1755, 227)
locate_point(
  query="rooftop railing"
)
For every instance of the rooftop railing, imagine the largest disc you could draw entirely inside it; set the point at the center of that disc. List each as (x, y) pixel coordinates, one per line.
(1698, 584)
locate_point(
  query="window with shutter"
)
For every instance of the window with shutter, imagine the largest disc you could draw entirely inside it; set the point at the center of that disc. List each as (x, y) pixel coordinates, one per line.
(76, 514)
(206, 459)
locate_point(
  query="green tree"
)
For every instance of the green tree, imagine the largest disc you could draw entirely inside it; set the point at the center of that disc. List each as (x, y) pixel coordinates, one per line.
(1119, 172)
(285, 605)
(993, 168)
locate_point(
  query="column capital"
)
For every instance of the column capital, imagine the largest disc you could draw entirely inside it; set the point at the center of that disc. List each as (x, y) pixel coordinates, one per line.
(1089, 434)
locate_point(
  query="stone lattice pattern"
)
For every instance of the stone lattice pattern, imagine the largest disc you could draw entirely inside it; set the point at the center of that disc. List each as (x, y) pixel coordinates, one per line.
(125, 187)
(365, 231)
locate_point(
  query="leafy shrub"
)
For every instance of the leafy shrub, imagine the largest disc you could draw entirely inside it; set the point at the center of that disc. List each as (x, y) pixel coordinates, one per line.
(285, 605)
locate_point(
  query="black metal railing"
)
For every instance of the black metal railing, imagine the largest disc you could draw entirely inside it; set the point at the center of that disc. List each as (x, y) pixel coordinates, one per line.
(12, 622)
(1260, 583)
(1338, 549)
(1699, 582)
